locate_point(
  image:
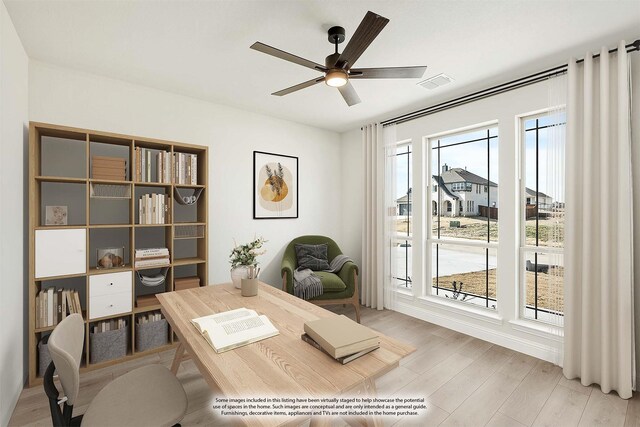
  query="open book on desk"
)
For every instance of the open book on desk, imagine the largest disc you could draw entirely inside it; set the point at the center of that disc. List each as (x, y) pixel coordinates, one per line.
(235, 328)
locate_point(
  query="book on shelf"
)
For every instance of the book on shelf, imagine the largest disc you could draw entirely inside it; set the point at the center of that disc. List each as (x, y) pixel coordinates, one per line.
(153, 208)
(235, 328)
(144, 158)
(54, 305)
(109, 325)
(150, 263)
(185, 167)
(340, 336)
(151, 252)
(345, 359)
(149, 318)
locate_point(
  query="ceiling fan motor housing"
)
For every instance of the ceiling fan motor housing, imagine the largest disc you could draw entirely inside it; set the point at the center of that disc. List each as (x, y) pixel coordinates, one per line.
(336, 35)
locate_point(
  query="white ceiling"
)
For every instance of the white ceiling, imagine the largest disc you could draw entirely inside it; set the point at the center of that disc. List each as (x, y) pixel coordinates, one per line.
(201, 48)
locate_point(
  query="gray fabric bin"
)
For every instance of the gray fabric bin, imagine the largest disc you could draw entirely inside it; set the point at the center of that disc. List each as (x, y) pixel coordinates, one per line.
(108, 345)
(44, 358)
(151, 335)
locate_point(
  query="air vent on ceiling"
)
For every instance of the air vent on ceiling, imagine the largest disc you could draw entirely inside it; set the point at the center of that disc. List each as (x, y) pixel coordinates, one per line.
(435, 81)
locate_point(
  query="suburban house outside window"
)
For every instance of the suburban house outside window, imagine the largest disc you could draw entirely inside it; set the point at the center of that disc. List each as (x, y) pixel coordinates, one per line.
(402, 237)
(463, 238)
(542, 232)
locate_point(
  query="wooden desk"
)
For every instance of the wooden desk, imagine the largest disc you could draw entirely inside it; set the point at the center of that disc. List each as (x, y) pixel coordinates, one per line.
(280, 366)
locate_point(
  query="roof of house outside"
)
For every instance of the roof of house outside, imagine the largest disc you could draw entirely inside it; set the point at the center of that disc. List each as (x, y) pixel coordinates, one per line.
(462, 175)
(533, 192)
(440, 182)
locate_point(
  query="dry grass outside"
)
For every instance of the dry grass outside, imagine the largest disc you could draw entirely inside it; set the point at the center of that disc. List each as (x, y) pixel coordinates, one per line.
(550, 295)
(550, 230)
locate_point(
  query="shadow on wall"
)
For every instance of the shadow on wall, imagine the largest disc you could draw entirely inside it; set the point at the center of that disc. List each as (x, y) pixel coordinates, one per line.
(271, 271)
(25, 251)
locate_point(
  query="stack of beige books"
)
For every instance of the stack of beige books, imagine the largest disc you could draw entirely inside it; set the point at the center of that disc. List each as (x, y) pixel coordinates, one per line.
(340, 337)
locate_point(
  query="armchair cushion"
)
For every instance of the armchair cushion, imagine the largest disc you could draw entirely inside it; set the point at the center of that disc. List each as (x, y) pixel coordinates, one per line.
(331, 282)
(312, 256)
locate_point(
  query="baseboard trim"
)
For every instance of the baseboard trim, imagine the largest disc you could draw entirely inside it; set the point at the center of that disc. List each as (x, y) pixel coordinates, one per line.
(532, 348)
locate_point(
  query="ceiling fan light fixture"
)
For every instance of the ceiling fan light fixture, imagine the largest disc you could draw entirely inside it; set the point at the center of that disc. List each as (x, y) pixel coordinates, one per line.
(336, 77)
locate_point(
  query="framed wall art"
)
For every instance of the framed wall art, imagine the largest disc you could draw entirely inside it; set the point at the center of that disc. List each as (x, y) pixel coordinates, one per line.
(275, 186)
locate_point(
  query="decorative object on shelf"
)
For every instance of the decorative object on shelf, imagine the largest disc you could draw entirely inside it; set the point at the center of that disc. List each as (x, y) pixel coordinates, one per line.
(109, 168)
(275, 186)
(108, 340)
(183, 283)
(147, 300)
(187, 200)
(249, 286)
(152, 281)
(110, 258)
(56, 215)
(109, 191)
(188, 232)
(244, 257)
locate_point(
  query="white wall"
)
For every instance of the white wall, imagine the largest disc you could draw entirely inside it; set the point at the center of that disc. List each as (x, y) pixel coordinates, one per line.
(13, 126)
(67, 97)
(502, 108)
(352, 194)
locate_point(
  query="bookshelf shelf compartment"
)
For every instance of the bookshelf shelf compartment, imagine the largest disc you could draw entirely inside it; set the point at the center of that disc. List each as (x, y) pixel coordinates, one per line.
(61, 173)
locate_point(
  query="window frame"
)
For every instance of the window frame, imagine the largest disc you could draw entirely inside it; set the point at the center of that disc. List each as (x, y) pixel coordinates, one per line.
(523, 248)
(431, 240)
(397, 238)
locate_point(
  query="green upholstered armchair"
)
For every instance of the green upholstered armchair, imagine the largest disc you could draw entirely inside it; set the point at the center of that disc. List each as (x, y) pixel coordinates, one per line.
(338, 288)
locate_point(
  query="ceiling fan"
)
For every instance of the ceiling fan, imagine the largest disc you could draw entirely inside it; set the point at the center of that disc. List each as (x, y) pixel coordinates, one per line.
(338, 66)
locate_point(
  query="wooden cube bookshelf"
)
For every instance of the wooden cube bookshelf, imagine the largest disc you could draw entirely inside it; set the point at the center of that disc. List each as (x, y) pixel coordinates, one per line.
(60, 160)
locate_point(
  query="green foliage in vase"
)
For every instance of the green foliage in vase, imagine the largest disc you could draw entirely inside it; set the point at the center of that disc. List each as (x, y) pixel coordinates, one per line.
(247, 254)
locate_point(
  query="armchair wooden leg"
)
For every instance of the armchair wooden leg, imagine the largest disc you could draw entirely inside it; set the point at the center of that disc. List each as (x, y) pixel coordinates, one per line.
(356, 297)
(356, 305)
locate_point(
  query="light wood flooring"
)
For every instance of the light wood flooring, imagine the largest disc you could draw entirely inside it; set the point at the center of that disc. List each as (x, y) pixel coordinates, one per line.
(466, 381)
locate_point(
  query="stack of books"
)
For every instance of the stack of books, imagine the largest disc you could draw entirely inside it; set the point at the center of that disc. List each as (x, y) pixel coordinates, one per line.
(144, 158)
(185, 168)
(341, 338)
(54, 305)
(109, 168)
(183, 283)
(109, 325)
(152, 257)
(153, 208)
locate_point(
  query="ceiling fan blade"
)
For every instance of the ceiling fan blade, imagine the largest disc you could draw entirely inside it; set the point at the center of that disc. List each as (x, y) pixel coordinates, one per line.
(349, 94)
(387, 73)
(298, 87)
(366, 32)
(261, 47)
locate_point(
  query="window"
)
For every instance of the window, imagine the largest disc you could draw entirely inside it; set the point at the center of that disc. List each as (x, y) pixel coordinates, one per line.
(463, 247)
(401, 238)
(542, 230)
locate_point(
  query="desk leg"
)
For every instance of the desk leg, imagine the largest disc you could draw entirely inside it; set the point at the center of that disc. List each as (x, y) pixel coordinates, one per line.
(367, 389)
(177, 359)
(320, 422)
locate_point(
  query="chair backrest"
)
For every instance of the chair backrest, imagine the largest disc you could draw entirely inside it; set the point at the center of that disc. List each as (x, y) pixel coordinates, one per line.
(65, 346)
(333, 249)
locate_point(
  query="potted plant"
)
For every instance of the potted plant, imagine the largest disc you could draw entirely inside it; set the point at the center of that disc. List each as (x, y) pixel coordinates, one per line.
(243, 257)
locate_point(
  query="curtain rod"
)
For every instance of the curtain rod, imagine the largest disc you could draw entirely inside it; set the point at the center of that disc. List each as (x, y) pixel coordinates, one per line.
(495, 90)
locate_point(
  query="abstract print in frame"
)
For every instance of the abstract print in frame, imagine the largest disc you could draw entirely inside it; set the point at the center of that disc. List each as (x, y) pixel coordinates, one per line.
(275, 186)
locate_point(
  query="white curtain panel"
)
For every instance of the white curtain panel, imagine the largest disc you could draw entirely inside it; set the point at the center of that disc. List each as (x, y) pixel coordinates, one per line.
(599, 314)
(375, 267)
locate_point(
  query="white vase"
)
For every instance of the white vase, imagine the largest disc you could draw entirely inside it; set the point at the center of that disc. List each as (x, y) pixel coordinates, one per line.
(239, 273)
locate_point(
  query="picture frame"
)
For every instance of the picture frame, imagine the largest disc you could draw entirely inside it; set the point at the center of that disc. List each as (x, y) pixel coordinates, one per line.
(56, 215)
(275, 186)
